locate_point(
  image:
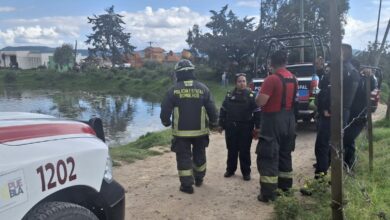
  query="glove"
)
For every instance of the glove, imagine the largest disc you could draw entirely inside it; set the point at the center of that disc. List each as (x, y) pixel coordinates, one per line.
(167, 124)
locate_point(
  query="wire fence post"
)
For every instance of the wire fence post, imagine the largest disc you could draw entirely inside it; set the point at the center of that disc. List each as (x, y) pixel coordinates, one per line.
(336, 80)
(369, 124)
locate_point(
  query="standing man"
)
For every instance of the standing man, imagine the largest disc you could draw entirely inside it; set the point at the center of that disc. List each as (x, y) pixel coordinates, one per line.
(238, 116)
(224, 78)
(277, 129)
(358, 116)
(192, 106)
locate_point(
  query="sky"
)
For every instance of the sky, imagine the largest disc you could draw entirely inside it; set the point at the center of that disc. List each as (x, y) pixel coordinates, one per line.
(164, 22)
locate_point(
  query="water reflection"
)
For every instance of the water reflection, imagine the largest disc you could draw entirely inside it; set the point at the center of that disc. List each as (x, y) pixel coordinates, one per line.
(125, 118)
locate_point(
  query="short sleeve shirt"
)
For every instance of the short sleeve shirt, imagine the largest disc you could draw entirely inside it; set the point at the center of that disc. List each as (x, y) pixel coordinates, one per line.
(273, 87)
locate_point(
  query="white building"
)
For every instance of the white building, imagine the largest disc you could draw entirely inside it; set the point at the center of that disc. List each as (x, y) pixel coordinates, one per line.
(24, 59)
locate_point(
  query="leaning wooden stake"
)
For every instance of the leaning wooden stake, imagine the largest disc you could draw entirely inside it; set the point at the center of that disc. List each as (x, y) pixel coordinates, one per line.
(369, 124)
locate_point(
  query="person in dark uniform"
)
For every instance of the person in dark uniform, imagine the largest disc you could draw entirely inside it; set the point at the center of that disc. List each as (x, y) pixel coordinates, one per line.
(193, 110)
(277, 128)
(358, 115)
(322, 147)
(351, 79)
(322, 144)
(238, 116)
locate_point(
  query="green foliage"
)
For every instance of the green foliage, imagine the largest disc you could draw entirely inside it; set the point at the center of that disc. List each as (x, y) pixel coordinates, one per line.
(10, 77)
(317, 206)
(228, 45)
(287, 207)
(368, 194)
(63, 55)
(139, 149)
(109, 39)
(283, 16)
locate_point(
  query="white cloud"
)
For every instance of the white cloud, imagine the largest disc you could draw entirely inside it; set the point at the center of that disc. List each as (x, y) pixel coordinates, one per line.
(358, 33)
(166, 27)
(30, 35)
(7, 9)
(249, 3)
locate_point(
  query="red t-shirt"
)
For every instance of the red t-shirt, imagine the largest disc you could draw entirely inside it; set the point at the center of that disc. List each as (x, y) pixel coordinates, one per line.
(273, 87)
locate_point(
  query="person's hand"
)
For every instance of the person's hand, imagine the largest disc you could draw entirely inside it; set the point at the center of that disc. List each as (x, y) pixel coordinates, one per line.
(326, 113)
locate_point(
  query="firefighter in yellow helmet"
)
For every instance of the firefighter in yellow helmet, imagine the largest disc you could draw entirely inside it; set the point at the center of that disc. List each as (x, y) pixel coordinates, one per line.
(192, 108)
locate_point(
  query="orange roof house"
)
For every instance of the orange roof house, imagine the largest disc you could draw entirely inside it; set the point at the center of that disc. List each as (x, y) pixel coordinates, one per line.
(154, 54)
(171, 57)
(135, 59)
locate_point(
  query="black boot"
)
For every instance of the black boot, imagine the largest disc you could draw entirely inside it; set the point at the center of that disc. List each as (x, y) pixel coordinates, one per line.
(265, 199)
(246, 177)
(228, 174)
(187, 189)
(198, 182)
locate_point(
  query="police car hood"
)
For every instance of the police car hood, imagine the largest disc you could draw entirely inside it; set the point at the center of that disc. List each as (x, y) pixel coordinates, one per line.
(17, 128)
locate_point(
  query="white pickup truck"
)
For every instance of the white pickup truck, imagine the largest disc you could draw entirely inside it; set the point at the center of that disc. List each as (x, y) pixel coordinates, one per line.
(55, 169)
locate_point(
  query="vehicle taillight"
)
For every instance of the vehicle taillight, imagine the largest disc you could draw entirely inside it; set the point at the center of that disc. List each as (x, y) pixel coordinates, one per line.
(314, 85)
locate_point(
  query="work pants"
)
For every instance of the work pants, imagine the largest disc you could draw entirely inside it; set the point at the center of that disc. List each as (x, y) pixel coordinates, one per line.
(238, 136)
(190, 158)
(276, 142)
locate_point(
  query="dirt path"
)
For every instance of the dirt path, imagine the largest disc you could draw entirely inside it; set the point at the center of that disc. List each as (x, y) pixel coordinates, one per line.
(152, 185)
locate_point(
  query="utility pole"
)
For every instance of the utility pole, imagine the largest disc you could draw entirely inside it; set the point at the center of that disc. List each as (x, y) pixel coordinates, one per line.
(336, 80)
(302, 28)
(382, 47)
(150, 43)
(377, 24)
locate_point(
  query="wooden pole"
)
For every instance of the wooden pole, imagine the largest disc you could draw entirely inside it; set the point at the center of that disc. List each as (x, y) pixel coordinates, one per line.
(369, 124)
(336, 80)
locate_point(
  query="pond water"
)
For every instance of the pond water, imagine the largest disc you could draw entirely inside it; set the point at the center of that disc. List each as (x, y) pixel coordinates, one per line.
(125, 118)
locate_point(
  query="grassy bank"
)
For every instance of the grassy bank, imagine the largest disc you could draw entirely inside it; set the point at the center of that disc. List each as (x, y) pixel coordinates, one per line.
(139, 149)
(367, 195)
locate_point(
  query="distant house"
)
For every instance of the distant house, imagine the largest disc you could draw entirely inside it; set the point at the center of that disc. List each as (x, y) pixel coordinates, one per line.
(154, 54)
(171, 57)
(30, 57)
(135, 59)
(24, 59)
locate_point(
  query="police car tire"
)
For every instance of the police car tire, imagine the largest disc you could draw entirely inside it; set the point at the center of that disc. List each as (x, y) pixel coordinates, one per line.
(60, 210)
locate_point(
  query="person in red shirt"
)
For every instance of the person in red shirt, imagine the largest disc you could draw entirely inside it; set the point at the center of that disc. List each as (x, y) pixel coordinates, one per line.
(277, 130)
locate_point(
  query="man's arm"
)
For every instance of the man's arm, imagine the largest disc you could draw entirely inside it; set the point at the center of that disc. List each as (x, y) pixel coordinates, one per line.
(265, 92)
(211, 110)
(166, 108)
(262, 99)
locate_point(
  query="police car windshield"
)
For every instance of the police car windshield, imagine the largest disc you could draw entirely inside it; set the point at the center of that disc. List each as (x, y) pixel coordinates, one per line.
(301, 70)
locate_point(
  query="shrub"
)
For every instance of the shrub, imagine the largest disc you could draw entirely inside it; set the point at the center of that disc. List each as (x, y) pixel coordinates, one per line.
(10, 77)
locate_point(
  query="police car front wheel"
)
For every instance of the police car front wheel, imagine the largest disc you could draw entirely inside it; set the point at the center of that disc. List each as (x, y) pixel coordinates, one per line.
(60, 210)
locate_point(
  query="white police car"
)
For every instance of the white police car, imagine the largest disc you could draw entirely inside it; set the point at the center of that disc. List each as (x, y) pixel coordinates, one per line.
(55, 169)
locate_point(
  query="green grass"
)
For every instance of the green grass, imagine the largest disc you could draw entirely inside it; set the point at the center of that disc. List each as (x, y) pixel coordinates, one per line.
(367, 195)
(139, 149)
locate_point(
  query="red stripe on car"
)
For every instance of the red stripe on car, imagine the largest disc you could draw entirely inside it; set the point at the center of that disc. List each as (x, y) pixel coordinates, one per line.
(23, 132)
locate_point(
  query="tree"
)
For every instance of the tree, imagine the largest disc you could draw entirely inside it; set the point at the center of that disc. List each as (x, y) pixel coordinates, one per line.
(63, 55)
(108, 38)
(282, 16)
(228, 45)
